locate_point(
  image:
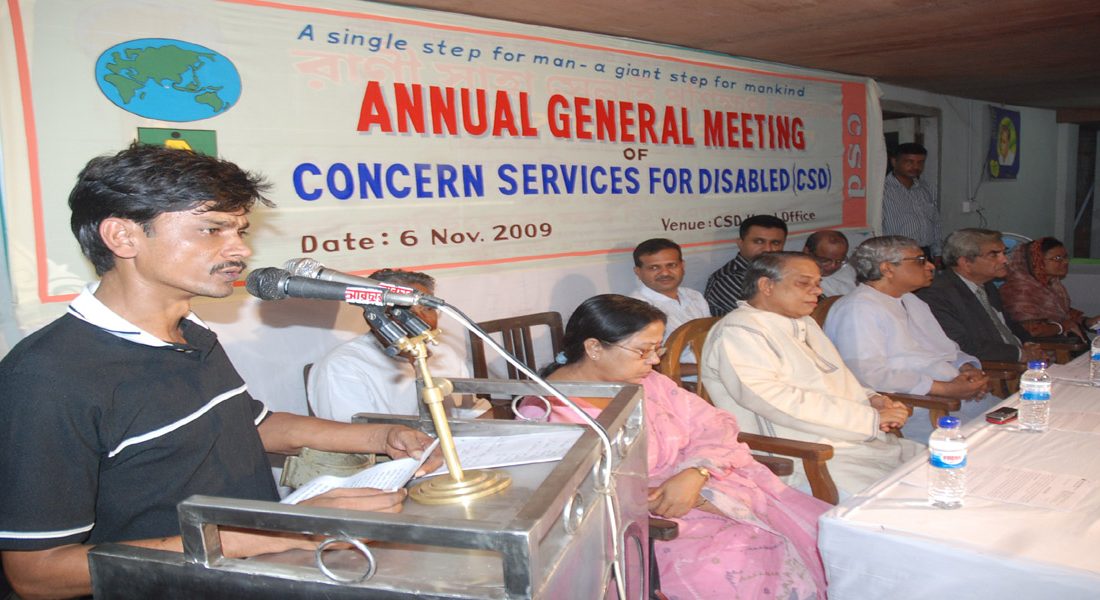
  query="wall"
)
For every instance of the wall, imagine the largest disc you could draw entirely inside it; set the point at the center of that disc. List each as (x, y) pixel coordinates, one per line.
(957, 152)
(1038, 203)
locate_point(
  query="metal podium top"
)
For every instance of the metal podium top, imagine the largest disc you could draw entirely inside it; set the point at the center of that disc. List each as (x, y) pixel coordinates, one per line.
(543, 533)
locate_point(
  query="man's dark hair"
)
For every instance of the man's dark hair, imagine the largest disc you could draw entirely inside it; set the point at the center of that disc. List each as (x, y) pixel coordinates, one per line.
(769, 265)
(144, 181)
(405, 278)
(653, 246)
(911, 148)
(765, 221)
(824, 235)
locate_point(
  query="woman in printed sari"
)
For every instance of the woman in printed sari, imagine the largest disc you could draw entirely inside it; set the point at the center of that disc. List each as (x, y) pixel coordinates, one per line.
(1033, 293)
(742, 532)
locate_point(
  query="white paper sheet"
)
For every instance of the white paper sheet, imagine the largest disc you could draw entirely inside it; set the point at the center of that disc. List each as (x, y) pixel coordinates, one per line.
(473, 453)
(504, 451)
(1028, 487)
(388, 476)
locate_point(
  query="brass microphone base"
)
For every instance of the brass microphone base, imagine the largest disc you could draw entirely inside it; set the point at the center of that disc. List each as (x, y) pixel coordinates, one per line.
(445, 490)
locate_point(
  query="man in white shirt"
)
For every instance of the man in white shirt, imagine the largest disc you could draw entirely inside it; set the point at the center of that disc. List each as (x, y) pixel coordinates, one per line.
(659, 266)
(830, 249)
(769, 363)
(358, 376)
(890, 340)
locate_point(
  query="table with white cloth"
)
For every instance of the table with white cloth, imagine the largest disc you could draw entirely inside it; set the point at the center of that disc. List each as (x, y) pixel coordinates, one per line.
(889, 542)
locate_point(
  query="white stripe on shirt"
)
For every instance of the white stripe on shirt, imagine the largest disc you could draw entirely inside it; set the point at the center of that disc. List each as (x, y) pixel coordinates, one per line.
(180, 423)
(44, 535)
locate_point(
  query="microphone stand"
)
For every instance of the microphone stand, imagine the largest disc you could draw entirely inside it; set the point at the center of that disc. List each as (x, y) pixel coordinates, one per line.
(458, 485)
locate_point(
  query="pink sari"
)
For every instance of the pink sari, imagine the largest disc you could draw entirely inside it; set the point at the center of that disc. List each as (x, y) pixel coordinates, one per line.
(766, 544)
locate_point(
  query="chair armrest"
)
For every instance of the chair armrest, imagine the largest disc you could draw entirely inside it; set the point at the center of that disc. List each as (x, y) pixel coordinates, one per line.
(929, 402)
(813, 460)
(779, 466)
(1000, 365)
(786, 447)
(1064, 351)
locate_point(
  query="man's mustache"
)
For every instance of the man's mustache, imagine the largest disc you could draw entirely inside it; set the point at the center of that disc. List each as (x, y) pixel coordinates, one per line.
(229, 264)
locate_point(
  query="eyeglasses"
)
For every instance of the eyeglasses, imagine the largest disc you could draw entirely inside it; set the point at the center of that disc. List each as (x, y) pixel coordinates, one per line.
(920, 260)
(656, 351)
(836, 262)
(1060, 258)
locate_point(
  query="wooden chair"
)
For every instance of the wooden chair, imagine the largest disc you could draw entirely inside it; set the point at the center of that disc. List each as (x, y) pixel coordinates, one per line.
(822, 309)
(1063, 350)
(517, 339)
(1004, 377)
(677, 342)
(813, 456)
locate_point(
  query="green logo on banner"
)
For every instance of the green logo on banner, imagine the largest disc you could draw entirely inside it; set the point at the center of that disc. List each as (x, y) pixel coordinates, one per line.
(202, 141)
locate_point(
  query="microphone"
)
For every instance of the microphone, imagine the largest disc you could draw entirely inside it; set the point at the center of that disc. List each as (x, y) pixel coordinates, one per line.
(409, 321)
(397, 295)
(271, 283)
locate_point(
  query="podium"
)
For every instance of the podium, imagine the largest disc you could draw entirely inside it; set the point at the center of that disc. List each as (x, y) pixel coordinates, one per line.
(545, 536)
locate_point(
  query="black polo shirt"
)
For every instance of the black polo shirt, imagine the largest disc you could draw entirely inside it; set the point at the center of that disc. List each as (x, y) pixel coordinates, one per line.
(105, 428)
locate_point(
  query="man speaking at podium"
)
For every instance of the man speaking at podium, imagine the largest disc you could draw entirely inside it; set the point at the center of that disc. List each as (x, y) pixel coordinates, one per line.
(127, 404)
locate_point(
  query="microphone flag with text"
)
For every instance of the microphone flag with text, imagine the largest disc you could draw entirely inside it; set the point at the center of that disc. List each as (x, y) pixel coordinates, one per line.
(307, 267)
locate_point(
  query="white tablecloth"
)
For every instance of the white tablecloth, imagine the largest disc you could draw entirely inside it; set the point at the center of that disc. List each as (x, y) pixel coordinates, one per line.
(888, 542)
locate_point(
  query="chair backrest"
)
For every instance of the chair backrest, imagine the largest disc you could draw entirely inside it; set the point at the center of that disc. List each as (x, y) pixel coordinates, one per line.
(517, 339)
(693, 334)
(822, 309)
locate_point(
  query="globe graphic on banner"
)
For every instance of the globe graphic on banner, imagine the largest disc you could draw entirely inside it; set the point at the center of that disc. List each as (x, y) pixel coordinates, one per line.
(168, 80)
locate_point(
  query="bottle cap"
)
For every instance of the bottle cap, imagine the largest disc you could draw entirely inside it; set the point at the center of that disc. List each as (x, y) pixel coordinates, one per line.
(949, 422)
(1036, 364)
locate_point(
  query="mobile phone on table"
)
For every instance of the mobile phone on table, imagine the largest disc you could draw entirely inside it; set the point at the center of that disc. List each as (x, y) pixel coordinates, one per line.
(1001, 415)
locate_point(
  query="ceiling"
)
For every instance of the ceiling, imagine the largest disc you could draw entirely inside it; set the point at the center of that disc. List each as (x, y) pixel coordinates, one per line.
(1041, 53)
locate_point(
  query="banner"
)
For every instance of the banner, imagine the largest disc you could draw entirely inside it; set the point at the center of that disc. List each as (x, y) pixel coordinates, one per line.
(405, 138)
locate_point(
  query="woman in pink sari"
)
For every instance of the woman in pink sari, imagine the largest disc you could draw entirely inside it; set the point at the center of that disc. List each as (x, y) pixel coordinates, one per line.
(1033, 293)
(743, 533)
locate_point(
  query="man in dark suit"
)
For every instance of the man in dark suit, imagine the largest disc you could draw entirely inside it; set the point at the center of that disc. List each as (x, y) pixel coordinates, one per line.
(967, 304)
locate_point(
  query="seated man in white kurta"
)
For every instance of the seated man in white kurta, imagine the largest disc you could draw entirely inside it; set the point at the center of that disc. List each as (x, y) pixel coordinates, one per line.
(358, 376)
(891, 340)
(659, 266)
(769, 363)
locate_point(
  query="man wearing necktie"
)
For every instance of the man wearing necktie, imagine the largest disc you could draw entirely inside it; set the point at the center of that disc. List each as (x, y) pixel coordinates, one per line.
(966, 303)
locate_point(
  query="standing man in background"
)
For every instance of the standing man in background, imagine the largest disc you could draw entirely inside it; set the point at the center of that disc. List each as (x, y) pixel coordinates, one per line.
(909, 205)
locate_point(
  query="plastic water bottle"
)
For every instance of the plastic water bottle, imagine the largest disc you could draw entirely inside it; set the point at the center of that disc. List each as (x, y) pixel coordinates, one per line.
(1035, 397)
(947, 464)
(1094, 361)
